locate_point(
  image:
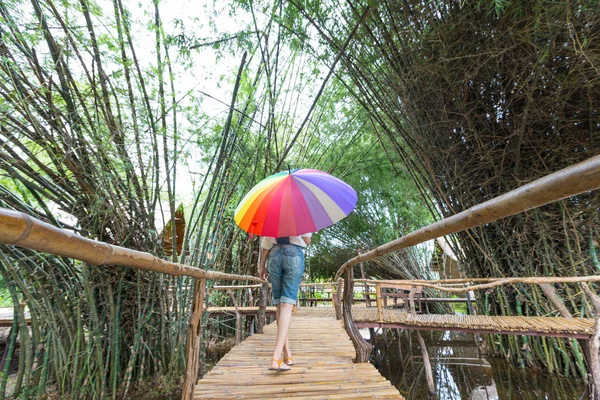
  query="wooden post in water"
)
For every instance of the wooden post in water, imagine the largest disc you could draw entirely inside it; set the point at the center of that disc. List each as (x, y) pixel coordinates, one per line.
(426, 363)
(238, 319)
(362, 347)
(424, 352)
(594, 345)
(262, 308)
(337, 301)
(192, 353)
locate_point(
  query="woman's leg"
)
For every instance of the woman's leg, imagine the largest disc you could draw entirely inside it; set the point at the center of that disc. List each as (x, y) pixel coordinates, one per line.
(287, 351)
(292, 267)
(284, 320)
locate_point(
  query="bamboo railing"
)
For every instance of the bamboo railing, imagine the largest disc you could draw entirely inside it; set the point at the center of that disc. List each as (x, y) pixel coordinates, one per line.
(262, 305)
(19, 229)
(570, 181)
(576, 179)
(22, 230)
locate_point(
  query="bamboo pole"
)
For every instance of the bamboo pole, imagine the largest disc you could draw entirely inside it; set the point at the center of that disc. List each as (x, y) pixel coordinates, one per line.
(493, 282)
(363, 348)
(262, 308)
(366, 287)
(20, 229)
(238, 318)
(594, 345)
(550, 293)
(379, 301)
(235, 287)
(337, 301)
(411, 300)
(194, 341)
(426, 363)
(576, 179)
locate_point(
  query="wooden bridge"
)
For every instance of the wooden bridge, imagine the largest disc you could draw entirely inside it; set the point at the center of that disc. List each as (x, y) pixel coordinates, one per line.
(363, 317)
(323, 367)
(322, 351)
(580, 328)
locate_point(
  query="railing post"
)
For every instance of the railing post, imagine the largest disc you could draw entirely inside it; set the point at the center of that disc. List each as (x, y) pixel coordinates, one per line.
(470, 295)
(362, 347)
(379, 302)
(238, 319)
(194, 337)
(250, 320)
(250, 298)
(550, 293)
(262, 308)
(594, 345)
(366, 286)
(411, 299)
(337, 301)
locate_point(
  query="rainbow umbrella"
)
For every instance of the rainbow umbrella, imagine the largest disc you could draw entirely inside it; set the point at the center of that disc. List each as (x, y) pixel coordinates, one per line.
(291, 203)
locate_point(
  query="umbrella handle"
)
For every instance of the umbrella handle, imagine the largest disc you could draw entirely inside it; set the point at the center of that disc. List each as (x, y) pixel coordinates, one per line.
(252, 225)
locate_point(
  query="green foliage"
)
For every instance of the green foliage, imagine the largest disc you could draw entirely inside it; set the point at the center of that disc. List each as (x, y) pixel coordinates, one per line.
(5, 299)
(477, 98)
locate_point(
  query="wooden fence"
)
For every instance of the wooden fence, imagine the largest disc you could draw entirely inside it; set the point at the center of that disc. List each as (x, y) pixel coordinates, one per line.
(22, 230)
(573, 180)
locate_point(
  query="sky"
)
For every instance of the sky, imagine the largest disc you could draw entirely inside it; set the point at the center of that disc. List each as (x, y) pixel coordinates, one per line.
(213, 72)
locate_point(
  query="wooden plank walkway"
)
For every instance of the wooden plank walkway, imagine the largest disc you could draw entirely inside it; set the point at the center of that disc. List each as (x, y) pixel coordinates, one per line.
(323, 368)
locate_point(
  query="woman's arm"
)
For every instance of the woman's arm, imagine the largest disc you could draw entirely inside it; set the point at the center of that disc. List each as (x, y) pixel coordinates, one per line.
(262, 270)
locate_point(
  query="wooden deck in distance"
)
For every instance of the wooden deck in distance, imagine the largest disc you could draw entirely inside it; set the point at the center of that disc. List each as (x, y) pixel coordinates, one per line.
(580, 328)
(323, 368)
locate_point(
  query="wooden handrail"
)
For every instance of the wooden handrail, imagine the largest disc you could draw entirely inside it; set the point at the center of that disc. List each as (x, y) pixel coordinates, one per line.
(492, 282)
(20, 229)
(322, 284)
(235, 287)
(573, 180)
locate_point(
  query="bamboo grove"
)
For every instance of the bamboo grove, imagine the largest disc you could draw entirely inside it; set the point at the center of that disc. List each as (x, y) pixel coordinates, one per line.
(427, 108)
(478, 98)
(99, 138)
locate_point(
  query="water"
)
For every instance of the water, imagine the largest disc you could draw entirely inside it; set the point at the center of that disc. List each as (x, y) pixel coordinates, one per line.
(460, 373)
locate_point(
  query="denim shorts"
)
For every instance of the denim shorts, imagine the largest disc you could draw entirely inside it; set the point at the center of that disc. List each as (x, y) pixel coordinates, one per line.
(285, 264)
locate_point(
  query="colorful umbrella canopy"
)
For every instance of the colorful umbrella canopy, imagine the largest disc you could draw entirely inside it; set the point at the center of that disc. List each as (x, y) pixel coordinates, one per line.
(291, 203)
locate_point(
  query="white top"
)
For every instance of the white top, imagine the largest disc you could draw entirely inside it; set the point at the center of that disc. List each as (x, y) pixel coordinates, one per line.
(267, 242)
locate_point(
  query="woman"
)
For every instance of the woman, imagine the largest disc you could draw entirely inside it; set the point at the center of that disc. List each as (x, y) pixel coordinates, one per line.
(284, 259)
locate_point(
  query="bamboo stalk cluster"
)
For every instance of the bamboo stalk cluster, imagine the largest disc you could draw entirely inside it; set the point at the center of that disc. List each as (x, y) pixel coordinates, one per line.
(89, 142)
(478, 100)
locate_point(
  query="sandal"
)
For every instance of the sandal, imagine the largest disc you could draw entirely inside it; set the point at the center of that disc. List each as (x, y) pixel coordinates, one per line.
(279, 362)
(288, 361)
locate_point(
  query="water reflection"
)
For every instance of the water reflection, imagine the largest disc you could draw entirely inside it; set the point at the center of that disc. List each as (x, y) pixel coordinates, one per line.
(460, 372)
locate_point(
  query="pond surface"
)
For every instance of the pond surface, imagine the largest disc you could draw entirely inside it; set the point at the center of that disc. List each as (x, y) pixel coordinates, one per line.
(460, 373)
